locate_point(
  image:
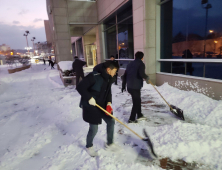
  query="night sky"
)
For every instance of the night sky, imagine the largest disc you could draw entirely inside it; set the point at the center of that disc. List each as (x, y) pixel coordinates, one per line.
(189, 17)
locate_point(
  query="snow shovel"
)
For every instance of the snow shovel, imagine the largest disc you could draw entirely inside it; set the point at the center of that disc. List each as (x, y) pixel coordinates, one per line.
(147, 139)
(173, 109)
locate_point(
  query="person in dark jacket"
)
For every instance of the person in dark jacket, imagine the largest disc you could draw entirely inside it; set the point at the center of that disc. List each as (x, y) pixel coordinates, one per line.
(94, 89)
(133, 77)
(112, 58)
(77, 67)
(51, 63)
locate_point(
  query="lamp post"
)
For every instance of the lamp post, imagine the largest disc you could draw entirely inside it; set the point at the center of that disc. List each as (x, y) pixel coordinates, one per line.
(26, 34)
(215, 42)
(208, 6)
(41, 47)
(33, 39)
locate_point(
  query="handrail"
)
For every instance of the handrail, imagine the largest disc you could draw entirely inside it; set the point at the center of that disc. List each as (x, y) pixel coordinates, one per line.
(123, 59)
(192, 60)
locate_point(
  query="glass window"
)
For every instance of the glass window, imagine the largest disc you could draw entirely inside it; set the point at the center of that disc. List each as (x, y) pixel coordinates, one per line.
(110, 22)
(73, 49)
(125, 12)
(79, 48)
(195, 69)
(119, 35)
(190, 29)
(213, 70)
(111, 46)
(125, 39)
(178, 67)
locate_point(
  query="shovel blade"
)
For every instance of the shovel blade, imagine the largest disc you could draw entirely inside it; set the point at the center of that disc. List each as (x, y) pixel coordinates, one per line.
(149, 143)
(177, 112)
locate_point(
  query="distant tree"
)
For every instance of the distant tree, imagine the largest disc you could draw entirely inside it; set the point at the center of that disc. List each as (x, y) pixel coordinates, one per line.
(192, 37)
(193, 41)
(179, 38)
(213, 35)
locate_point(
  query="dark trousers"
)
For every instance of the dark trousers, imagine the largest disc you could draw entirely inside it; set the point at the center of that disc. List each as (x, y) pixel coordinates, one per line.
(136, 109)
(94, 128)
(78, 77)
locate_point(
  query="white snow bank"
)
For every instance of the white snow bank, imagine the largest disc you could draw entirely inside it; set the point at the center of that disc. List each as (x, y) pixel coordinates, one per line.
(192, 142)
(65, 65)
(197, 107)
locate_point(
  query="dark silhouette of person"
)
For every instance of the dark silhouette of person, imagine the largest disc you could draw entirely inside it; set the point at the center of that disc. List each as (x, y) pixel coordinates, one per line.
(51, 63)
(187, 54)
(44, 61)
(77, 67)
(133, 78)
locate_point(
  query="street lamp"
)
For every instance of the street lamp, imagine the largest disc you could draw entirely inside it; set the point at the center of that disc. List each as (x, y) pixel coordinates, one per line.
(208, 6)
(26, 34)
(33, 39)
(41, 47)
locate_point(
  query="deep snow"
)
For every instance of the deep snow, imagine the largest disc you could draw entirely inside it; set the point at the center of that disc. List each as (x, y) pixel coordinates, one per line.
(41, 126)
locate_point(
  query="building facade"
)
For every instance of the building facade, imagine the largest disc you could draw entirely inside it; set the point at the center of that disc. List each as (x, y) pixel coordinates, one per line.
(181, 39)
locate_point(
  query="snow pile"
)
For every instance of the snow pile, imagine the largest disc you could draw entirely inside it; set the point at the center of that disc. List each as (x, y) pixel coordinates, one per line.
(197, 107)
(65, 65)
(192, 142)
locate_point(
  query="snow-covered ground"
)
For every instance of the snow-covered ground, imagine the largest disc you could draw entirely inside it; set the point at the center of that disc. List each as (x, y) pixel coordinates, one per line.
(41, 126)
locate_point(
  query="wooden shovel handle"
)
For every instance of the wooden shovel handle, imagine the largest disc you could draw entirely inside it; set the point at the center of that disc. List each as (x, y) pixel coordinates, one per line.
(118, 121)
(160, 94)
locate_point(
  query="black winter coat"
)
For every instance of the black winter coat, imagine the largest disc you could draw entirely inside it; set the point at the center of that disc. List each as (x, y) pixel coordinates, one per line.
(98, 86)
(77, 66)
(134, 75)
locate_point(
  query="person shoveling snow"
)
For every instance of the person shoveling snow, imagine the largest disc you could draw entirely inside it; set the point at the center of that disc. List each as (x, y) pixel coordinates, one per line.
(94, 89)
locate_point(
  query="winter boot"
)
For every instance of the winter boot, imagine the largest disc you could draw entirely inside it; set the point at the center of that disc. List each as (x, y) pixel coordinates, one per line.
(141, 118)
(132, 121)
(91, 151)
(112, 147)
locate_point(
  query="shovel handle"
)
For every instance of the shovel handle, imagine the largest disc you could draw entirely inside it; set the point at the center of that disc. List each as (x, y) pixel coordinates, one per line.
(118, 121)
(160, 94)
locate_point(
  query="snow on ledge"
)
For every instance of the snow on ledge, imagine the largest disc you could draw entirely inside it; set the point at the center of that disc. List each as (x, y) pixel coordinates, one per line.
(65, 65)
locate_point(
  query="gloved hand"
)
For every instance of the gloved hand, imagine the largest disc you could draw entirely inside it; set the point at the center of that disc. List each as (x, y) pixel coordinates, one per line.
(147, 80)
(92, 101)
(123, 89)
(109, 108)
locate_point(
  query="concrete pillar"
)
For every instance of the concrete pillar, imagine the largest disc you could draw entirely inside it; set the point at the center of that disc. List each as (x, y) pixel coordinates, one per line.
(61, 31)
(100, 43)
(144, 29)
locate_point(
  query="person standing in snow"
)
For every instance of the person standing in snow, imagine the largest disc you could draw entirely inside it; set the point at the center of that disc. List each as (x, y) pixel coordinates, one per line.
(51, 63)
(133, 77)
(77, 67)
(94, 89)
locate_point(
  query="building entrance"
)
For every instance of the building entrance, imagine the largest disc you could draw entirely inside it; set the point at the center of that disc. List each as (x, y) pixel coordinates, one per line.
(91, 55)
